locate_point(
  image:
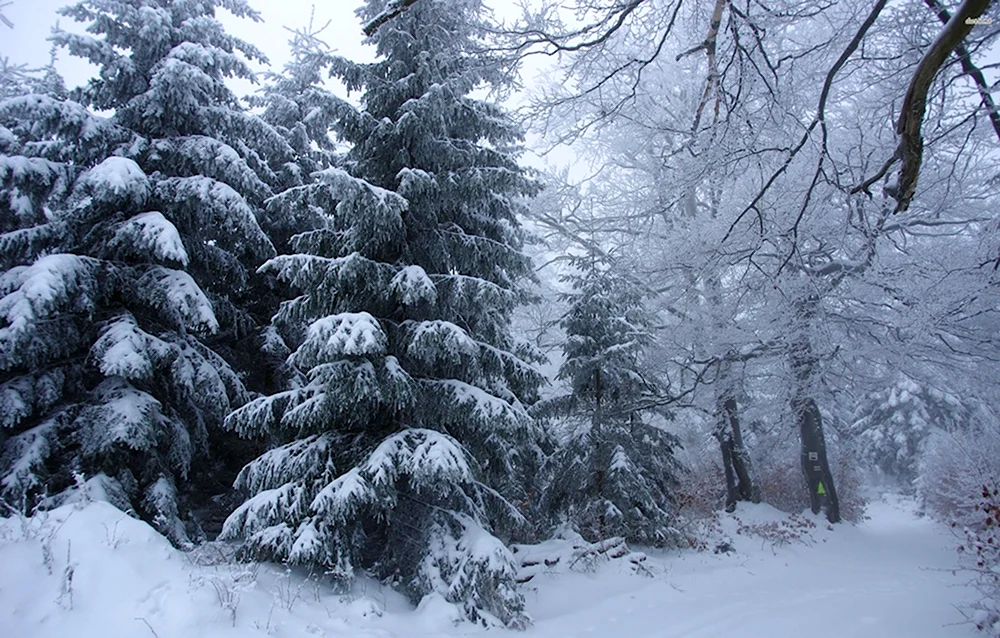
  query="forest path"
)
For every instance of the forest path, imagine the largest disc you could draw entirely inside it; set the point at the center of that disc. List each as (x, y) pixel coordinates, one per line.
(889, 576)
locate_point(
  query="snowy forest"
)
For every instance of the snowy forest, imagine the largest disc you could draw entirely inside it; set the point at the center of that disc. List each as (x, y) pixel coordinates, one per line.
(533, 286)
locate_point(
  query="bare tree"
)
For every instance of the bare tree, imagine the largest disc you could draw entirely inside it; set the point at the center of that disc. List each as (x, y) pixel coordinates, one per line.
(758, 202)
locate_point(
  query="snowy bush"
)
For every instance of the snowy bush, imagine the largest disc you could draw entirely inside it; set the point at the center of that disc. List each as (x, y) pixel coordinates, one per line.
(981, 557)
(954, 470)
(959, 483)
(794, 529)
(891, 427)
(701, 491)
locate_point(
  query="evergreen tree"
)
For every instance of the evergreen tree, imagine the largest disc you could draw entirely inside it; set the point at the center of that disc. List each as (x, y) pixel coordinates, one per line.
(892, 426)
(128, 245)
(615, 473)
(297, 105)
(408, 443)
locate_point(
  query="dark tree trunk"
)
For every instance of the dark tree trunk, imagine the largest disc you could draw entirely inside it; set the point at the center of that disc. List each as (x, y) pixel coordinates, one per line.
(740, 484)
(815, 465)
(732, 496)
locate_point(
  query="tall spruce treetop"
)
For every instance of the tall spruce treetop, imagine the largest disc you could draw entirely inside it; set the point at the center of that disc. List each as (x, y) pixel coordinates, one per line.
(616, 473)
(134, 237)
(406, 448)
(304, 113)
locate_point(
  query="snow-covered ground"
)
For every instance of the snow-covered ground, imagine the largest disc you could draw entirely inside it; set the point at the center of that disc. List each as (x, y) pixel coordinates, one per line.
(91, 572)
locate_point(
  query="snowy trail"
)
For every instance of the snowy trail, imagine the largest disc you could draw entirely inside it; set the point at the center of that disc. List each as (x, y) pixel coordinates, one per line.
(885, 578)
(888, 577)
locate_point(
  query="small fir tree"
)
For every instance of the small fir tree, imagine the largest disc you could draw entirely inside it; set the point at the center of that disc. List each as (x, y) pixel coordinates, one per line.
(615, 473)
(892, 427)
(305, 113)
(408, 442)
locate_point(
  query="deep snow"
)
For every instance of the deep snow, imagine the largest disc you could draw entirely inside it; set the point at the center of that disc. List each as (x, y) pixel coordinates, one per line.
(889, 576)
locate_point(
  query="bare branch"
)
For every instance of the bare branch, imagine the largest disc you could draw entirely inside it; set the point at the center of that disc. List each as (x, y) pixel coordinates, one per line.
(4, 18)
(865, 185)
(911, 117)
(611, 23)
(970, 69)
(709, 45)
(820, 119)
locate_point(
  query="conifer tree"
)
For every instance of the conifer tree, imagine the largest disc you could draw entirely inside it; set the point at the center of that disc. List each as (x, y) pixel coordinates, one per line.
(615, 473)
(892, 426)
(128, 244)
(406, 447)
(304, 112)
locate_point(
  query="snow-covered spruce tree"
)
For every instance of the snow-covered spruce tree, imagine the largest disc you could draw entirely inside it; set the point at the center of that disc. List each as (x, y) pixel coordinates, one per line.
(135, 236)
(298, 106)
(406, 449)
(615, 474)
(892, 426)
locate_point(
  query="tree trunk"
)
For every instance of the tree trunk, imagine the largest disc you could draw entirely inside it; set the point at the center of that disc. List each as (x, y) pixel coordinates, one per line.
(815, 466)
(740, 484)
(597, 435)
(746, 485)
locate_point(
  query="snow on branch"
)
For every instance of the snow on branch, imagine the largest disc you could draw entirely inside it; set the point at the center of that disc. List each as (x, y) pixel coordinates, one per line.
(175, 293)
(153, 234)
(425, 457)
(116, 180)
(127, 351)
(393, 8)
(343, 335)
(283, 464)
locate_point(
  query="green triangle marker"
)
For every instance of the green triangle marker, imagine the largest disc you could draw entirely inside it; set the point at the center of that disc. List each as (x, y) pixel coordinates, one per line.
(821, 490)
